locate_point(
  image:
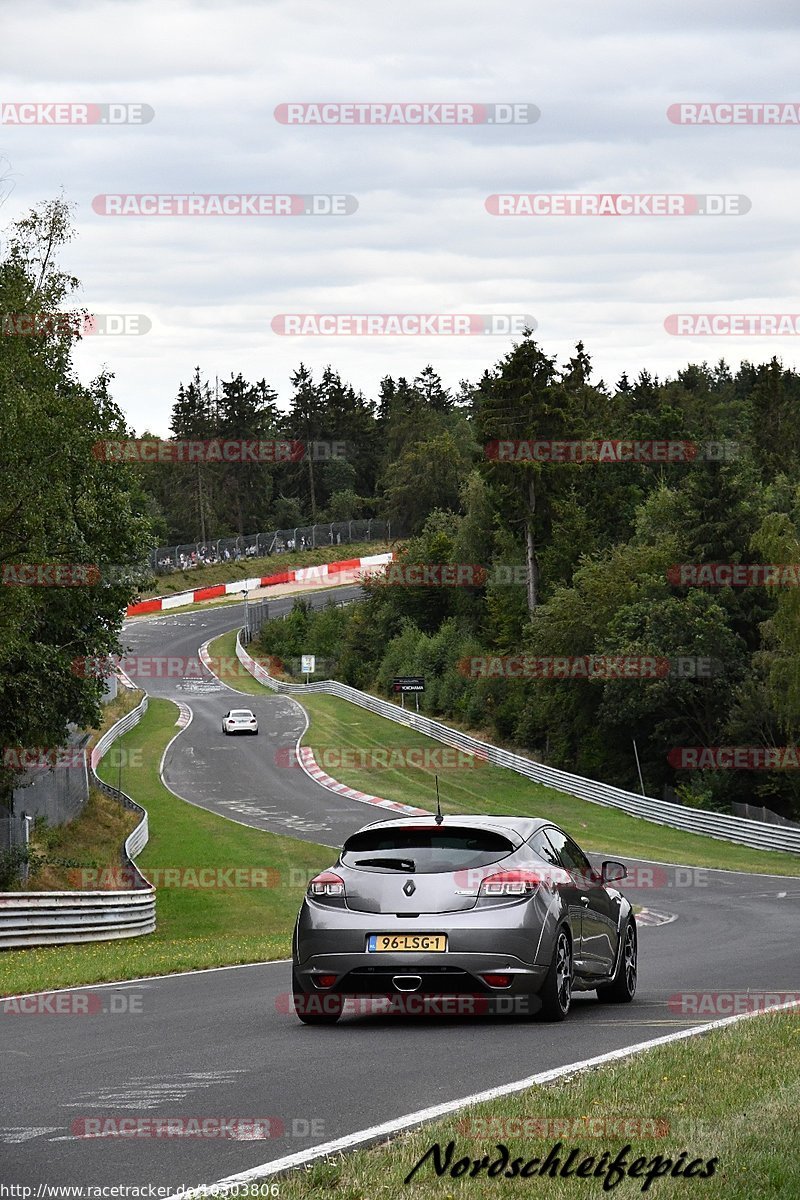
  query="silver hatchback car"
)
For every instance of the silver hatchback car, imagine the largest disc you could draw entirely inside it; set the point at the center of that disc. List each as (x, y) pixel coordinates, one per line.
(505, 911)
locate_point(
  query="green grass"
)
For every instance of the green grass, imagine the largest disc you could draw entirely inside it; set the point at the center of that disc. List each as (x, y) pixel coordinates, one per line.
(197, 927)
(226, 665)
(337, 726)
(92, 842)
(732, 1094)
(249, 568)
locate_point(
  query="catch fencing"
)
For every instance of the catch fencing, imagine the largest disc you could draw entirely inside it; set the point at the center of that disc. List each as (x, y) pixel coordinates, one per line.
(55, 918)
(57, 792)
(166, 559)
(677, 816)
(757, 812)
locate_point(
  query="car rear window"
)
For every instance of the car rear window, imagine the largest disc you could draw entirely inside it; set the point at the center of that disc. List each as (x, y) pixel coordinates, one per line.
(241, 712)
(430, 849)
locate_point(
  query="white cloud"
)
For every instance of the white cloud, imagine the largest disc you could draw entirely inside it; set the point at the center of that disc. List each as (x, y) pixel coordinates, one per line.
(603, 77)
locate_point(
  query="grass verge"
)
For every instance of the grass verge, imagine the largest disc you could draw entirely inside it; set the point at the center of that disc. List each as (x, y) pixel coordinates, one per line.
(249, 568)
(730, 1095)
(198, 926)
(125, 700)
(226, 665)
(93, 840)
(339, 728)
(342, 734)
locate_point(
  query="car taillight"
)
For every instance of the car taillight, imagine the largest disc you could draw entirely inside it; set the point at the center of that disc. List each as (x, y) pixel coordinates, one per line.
(326, 884)
(510, 883)
(497, 981)
(324, 981)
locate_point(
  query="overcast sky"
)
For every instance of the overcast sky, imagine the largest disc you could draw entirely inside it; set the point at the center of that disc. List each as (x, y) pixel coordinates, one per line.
(421, 240)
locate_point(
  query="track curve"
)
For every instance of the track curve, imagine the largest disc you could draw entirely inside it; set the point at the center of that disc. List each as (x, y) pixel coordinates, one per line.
(225, 1044)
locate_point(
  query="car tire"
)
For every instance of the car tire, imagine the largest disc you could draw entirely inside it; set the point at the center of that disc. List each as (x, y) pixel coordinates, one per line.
(555, 994)
(622, 987)
(326, 1012)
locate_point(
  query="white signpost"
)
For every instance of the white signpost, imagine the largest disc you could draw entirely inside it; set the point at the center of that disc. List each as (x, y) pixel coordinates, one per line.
(308, 664)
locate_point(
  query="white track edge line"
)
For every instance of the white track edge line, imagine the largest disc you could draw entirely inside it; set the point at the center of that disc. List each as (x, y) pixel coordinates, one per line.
(425, 1115)
(115, 983)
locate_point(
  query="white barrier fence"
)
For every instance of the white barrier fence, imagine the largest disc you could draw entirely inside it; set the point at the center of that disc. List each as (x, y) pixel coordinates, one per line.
(677, 816)
(57, 918)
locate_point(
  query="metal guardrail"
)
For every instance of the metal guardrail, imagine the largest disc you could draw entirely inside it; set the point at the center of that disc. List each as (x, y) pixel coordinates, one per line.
(57, 918)
(677, 816)
(165, 559)
(138, 839)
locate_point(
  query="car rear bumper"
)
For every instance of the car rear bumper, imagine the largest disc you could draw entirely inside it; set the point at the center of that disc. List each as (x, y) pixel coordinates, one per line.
(437, 974)
(513, 939)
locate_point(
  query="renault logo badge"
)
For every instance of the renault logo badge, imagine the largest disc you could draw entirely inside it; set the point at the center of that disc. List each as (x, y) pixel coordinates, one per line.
(409, 887)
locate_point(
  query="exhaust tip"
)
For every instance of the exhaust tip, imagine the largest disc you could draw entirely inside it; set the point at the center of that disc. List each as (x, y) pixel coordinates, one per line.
(407, 983)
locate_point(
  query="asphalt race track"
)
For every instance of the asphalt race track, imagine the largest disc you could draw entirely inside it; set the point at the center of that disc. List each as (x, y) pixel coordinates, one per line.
(225, 1044)
(246, 778)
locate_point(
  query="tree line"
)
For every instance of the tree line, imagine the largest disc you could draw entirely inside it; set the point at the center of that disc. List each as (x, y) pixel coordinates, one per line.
(595, 553)
(579, 557)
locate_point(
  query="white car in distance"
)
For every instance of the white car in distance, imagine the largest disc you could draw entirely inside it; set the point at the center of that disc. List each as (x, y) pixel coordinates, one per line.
(239, 720)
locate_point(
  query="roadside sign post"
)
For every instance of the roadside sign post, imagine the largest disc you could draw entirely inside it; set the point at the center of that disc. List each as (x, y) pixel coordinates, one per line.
(308, 664)
(408, 683)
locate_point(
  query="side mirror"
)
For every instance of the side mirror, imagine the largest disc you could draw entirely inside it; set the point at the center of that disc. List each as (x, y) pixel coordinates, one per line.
(613, 871)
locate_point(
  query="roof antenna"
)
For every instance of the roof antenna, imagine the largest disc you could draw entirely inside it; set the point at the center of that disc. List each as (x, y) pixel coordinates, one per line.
(439, 817)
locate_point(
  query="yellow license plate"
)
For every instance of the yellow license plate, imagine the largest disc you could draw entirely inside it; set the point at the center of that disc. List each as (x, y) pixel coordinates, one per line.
(406, 942)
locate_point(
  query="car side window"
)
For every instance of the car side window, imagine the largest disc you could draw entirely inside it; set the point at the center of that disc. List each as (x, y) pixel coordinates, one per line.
(544, 849)
(570, 855)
